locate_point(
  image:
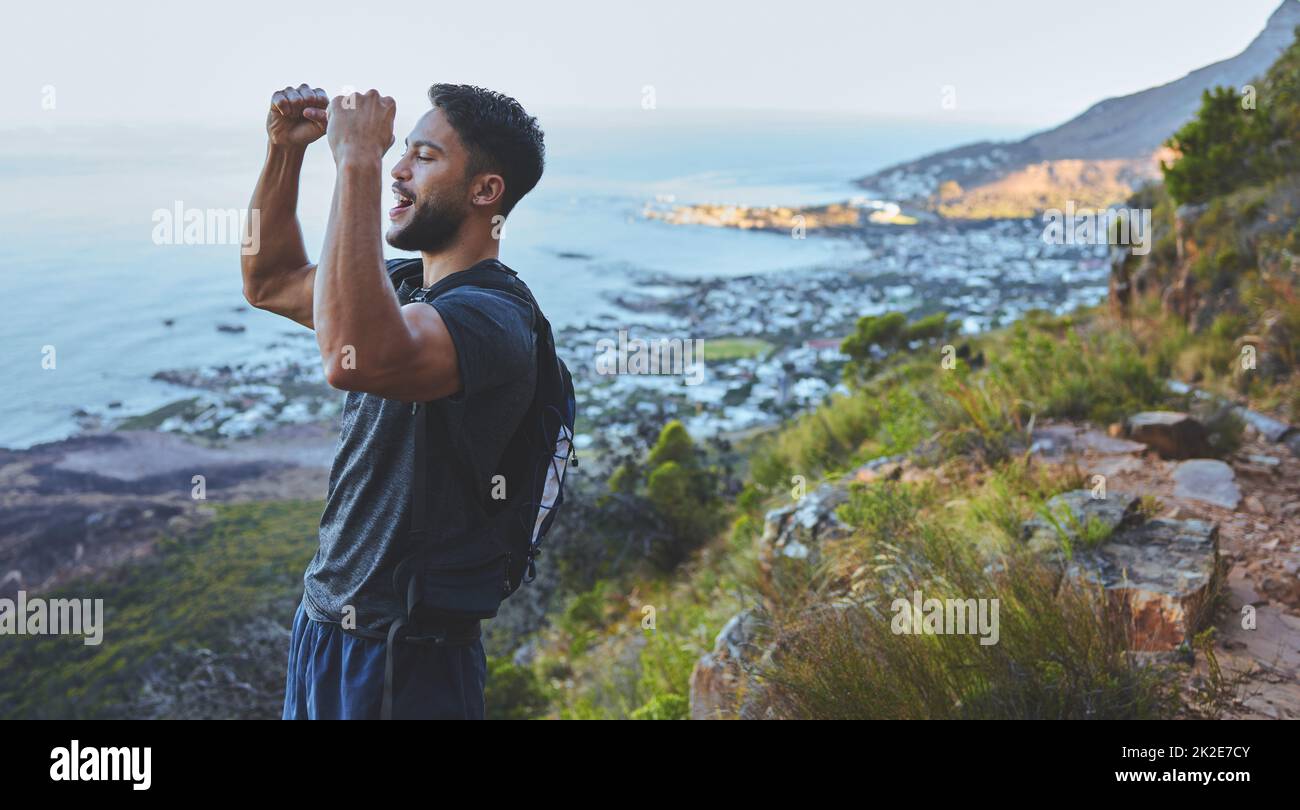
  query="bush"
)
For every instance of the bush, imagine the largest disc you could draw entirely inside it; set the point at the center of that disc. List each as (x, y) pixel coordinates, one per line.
(663, 707)
(513, 692)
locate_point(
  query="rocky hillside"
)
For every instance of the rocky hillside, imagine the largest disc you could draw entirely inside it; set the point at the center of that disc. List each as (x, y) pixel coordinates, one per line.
(1177, 548)
(1096, 158)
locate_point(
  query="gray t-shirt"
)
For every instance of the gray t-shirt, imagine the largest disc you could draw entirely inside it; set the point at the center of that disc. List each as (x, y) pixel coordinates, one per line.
(364, 528)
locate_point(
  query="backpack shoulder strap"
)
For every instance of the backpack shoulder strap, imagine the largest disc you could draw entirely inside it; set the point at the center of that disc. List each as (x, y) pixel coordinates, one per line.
(490, 275)
(407, 276)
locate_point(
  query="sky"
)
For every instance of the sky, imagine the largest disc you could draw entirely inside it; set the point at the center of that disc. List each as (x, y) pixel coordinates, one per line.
(999, 62)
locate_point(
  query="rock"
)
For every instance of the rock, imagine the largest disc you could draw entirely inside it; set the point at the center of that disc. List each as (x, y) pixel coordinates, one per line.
(797, 531)
(1268, 427)
(1052, 440)
(1254, 505)
(1264, 461)
(1073, 511)
(1208, 481)
(1163, 573)
(886, 468)
(1170, 433)
(718, 679)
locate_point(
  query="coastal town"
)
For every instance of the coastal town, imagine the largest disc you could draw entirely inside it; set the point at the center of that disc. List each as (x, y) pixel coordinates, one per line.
(770, 341)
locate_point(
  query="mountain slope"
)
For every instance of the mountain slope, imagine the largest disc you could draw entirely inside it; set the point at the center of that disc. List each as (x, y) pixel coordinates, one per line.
(1118, 141)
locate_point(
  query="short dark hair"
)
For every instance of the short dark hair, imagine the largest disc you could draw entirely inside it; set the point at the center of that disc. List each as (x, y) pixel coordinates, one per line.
(499, 135)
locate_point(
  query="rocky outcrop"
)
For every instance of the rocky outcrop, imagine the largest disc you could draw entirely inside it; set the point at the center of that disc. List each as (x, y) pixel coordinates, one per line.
(797, 531)
(1163, 574)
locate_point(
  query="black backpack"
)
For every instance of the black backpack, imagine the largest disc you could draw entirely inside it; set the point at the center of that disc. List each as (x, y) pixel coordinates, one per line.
(467, 576)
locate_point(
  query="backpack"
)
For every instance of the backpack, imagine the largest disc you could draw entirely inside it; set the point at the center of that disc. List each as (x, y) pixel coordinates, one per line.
(467, 576)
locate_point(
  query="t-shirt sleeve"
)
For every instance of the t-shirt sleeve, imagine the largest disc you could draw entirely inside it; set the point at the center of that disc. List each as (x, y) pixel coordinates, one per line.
(493, 334)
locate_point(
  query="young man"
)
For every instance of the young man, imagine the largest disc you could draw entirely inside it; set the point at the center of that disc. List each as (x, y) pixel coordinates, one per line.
(466, 164)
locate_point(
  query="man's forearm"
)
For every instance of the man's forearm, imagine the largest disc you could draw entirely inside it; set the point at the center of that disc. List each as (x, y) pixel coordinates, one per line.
(357, 315)
(281, 249)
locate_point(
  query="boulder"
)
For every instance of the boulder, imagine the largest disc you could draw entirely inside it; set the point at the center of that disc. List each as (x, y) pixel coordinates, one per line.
(1170, 433)
(1161, 573)
(1164, 574)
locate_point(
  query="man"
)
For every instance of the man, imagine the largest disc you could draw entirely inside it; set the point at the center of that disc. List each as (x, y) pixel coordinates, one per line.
(466, 163)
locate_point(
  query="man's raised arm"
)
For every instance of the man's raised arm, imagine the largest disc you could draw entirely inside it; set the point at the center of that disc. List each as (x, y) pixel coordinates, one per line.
(279, 277)
(368, 341)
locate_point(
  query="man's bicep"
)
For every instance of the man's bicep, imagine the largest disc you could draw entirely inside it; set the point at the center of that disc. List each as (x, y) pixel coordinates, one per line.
(434, 368)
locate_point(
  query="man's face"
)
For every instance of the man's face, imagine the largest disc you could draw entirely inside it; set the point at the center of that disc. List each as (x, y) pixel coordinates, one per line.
(433, 194)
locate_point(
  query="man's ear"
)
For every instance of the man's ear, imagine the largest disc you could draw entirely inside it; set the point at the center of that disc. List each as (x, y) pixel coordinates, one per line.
(487, 189)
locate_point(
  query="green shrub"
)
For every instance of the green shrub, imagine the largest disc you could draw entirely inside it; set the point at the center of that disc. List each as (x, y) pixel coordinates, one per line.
(513, 692)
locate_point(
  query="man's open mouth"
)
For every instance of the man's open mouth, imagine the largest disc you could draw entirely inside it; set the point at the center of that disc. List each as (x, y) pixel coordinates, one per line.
(403, 203)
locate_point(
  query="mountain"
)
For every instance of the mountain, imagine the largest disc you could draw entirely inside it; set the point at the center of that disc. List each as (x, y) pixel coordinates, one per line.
(1096, 158)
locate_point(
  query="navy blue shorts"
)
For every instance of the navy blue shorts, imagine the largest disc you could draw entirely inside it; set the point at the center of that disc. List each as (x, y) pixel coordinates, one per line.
(337, 676)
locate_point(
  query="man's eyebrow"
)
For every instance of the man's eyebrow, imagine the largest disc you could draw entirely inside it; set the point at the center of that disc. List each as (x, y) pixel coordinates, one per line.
(429, 144)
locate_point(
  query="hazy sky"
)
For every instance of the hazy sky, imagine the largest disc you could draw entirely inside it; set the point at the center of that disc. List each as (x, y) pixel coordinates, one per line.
(1009, 61)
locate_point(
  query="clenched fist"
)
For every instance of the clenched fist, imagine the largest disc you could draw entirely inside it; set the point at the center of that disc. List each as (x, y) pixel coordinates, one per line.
(297, 116)
(361, 125)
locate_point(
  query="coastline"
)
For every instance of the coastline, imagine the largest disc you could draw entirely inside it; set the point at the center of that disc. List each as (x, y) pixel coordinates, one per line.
(776, 333)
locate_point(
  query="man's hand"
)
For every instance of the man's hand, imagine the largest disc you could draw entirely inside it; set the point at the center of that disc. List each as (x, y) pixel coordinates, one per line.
(297, 116)
(361, 125)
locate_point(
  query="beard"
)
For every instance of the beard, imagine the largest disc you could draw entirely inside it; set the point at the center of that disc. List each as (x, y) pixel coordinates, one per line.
(433, 227)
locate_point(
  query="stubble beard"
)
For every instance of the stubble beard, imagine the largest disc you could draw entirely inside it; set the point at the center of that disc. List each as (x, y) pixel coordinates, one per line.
(433, 228)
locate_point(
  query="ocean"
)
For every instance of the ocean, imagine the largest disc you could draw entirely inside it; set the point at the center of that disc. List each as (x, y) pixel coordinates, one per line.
(91, 307)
